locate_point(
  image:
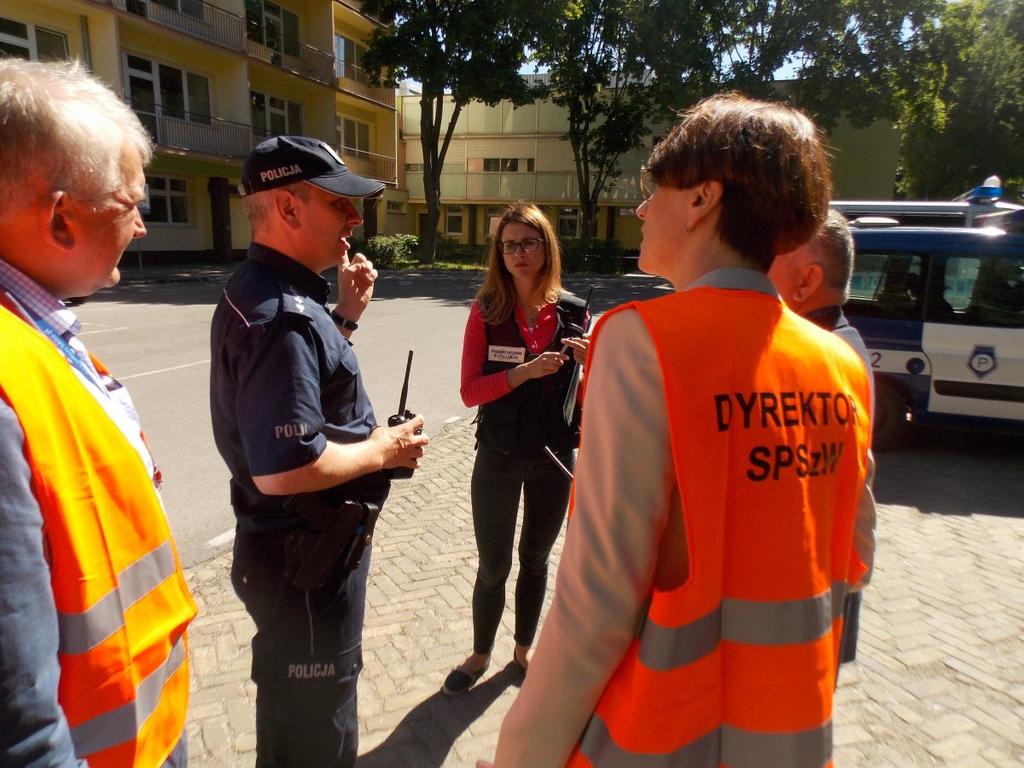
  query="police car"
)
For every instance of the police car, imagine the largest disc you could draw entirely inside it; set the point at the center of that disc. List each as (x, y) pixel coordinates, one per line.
(967, 210)
(942, 313)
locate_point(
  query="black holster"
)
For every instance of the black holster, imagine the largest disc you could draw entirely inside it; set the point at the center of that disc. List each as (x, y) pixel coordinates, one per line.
(333, 535)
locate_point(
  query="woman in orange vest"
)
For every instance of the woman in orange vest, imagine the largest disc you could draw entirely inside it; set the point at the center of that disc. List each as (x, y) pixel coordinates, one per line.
(697, 611)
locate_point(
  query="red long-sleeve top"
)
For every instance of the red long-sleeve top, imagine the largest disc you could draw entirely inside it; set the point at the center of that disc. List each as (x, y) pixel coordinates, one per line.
(478, 388)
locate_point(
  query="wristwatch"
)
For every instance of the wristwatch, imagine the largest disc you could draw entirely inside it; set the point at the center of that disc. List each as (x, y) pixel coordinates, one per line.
(344, 322)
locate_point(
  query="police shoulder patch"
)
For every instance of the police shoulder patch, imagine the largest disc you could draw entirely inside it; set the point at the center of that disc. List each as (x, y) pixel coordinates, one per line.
(295, 304)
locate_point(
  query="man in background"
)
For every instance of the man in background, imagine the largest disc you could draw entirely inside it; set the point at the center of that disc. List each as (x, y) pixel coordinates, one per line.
(814, 281)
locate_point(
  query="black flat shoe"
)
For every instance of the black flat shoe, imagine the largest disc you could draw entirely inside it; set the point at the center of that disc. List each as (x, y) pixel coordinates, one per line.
(518, 664)
(459, 681)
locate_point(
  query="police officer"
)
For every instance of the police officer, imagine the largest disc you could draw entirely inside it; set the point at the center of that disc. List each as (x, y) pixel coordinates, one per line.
(293, 422)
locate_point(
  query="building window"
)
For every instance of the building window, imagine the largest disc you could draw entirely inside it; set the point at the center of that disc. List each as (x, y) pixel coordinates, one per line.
(274, 116)
(353, 136)
(414, 167)
(348, 56)
(394, 206)
(502, 165)
(492, 215)
(271, 25)
(168, 201)
(27, 41)
(156, 88)
(453, 220)
(569, 222)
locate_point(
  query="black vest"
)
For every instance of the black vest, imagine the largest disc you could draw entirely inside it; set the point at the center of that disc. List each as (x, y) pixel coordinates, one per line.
(531, 416)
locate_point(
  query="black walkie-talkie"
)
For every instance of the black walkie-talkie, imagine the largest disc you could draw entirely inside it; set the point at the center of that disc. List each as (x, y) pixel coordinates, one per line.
(403, 473)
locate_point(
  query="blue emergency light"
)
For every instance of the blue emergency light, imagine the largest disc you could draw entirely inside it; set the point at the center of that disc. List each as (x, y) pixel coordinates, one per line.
(989, 191)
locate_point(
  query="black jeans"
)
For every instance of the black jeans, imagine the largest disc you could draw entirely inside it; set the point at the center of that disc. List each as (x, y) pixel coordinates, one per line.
(498, 481)
(306, 657)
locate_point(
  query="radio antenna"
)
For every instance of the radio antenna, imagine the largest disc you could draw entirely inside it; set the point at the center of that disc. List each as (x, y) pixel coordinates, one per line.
(405, 385)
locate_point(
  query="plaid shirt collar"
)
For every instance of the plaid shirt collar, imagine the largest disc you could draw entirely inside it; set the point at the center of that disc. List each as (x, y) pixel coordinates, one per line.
(37, 301)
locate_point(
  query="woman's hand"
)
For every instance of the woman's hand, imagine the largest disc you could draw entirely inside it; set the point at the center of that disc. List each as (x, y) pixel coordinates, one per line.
(545, 364)
(542, 365)
(579, 348)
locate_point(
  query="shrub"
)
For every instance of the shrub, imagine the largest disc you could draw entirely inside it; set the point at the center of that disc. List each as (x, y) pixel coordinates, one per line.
(387, 250)
(603, 256)
(573, 258)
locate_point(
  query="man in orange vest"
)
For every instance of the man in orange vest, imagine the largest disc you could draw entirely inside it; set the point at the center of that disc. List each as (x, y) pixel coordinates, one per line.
(814, 281)
(93, 601)
(696, 617)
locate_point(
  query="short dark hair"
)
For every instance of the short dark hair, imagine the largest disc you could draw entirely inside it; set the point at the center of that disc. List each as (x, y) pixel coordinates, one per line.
(835, 248)
(772, 165)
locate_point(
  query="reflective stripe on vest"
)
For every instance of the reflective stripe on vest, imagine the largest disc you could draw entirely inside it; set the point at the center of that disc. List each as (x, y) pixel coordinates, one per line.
(741, 621)
(729, 746)
(121, 598)
(122, 724)
(81, 632)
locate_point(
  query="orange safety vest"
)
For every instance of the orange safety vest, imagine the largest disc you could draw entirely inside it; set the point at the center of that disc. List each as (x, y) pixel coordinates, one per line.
(769, 422)
(121, 597)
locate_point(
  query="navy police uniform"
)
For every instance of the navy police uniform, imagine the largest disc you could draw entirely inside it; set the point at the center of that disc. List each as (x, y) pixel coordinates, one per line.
(283, 382)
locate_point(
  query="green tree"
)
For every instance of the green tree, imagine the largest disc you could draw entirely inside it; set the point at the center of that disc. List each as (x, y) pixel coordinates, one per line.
(618, 66)
(614, 65)
(470, 49)
(845, 54)
(963, 100)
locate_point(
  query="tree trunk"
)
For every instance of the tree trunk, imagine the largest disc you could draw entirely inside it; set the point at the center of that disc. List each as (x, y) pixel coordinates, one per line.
(428, 237)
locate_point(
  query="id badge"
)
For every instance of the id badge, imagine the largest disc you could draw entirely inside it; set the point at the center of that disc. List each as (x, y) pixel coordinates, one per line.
(499, 354)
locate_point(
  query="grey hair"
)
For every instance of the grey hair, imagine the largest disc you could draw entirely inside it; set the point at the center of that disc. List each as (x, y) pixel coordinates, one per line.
(258, 204)
(834, 245)
(63, 129)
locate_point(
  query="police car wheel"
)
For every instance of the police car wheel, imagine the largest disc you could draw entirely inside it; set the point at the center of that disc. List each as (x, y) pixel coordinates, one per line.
(891, 423)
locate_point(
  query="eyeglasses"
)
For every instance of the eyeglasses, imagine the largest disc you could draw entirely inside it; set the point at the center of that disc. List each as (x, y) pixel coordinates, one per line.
(647, 185)
(527, 245)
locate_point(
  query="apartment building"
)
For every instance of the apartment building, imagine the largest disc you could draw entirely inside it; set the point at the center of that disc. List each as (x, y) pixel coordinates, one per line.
(502, 153)
(210, 80)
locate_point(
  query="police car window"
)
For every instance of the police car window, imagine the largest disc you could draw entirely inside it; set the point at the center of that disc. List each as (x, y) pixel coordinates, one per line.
(985, 290)
(887, 285)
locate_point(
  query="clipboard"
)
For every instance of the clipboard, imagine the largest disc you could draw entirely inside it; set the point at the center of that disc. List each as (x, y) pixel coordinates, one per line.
(569, 406)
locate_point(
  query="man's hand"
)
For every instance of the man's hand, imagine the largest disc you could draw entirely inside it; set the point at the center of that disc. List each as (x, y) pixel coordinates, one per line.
(355, 286)
(401, 445)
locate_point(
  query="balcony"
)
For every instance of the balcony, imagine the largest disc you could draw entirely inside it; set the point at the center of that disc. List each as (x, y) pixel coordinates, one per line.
(290, 54)
(543, 185)
(175, 129)
(353, 79)
(192, 17)
(368, 164)
(357, 6)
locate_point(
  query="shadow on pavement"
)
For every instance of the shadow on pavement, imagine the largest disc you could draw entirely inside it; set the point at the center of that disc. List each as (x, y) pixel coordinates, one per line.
(197, 284)
(426, 734)
(953, 472)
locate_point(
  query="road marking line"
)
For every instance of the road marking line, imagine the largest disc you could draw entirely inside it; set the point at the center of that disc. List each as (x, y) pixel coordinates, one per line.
(225, 538)
(162, 370)
(104, 330)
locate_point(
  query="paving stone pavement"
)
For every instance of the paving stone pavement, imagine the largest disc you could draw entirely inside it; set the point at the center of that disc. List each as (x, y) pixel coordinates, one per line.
(939, 679)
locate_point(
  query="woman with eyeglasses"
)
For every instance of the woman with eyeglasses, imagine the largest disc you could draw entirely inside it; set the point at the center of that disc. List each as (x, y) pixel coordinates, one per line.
(522, 335)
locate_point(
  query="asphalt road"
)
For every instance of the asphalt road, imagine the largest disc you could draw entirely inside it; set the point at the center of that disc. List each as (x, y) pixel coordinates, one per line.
(154, 336)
